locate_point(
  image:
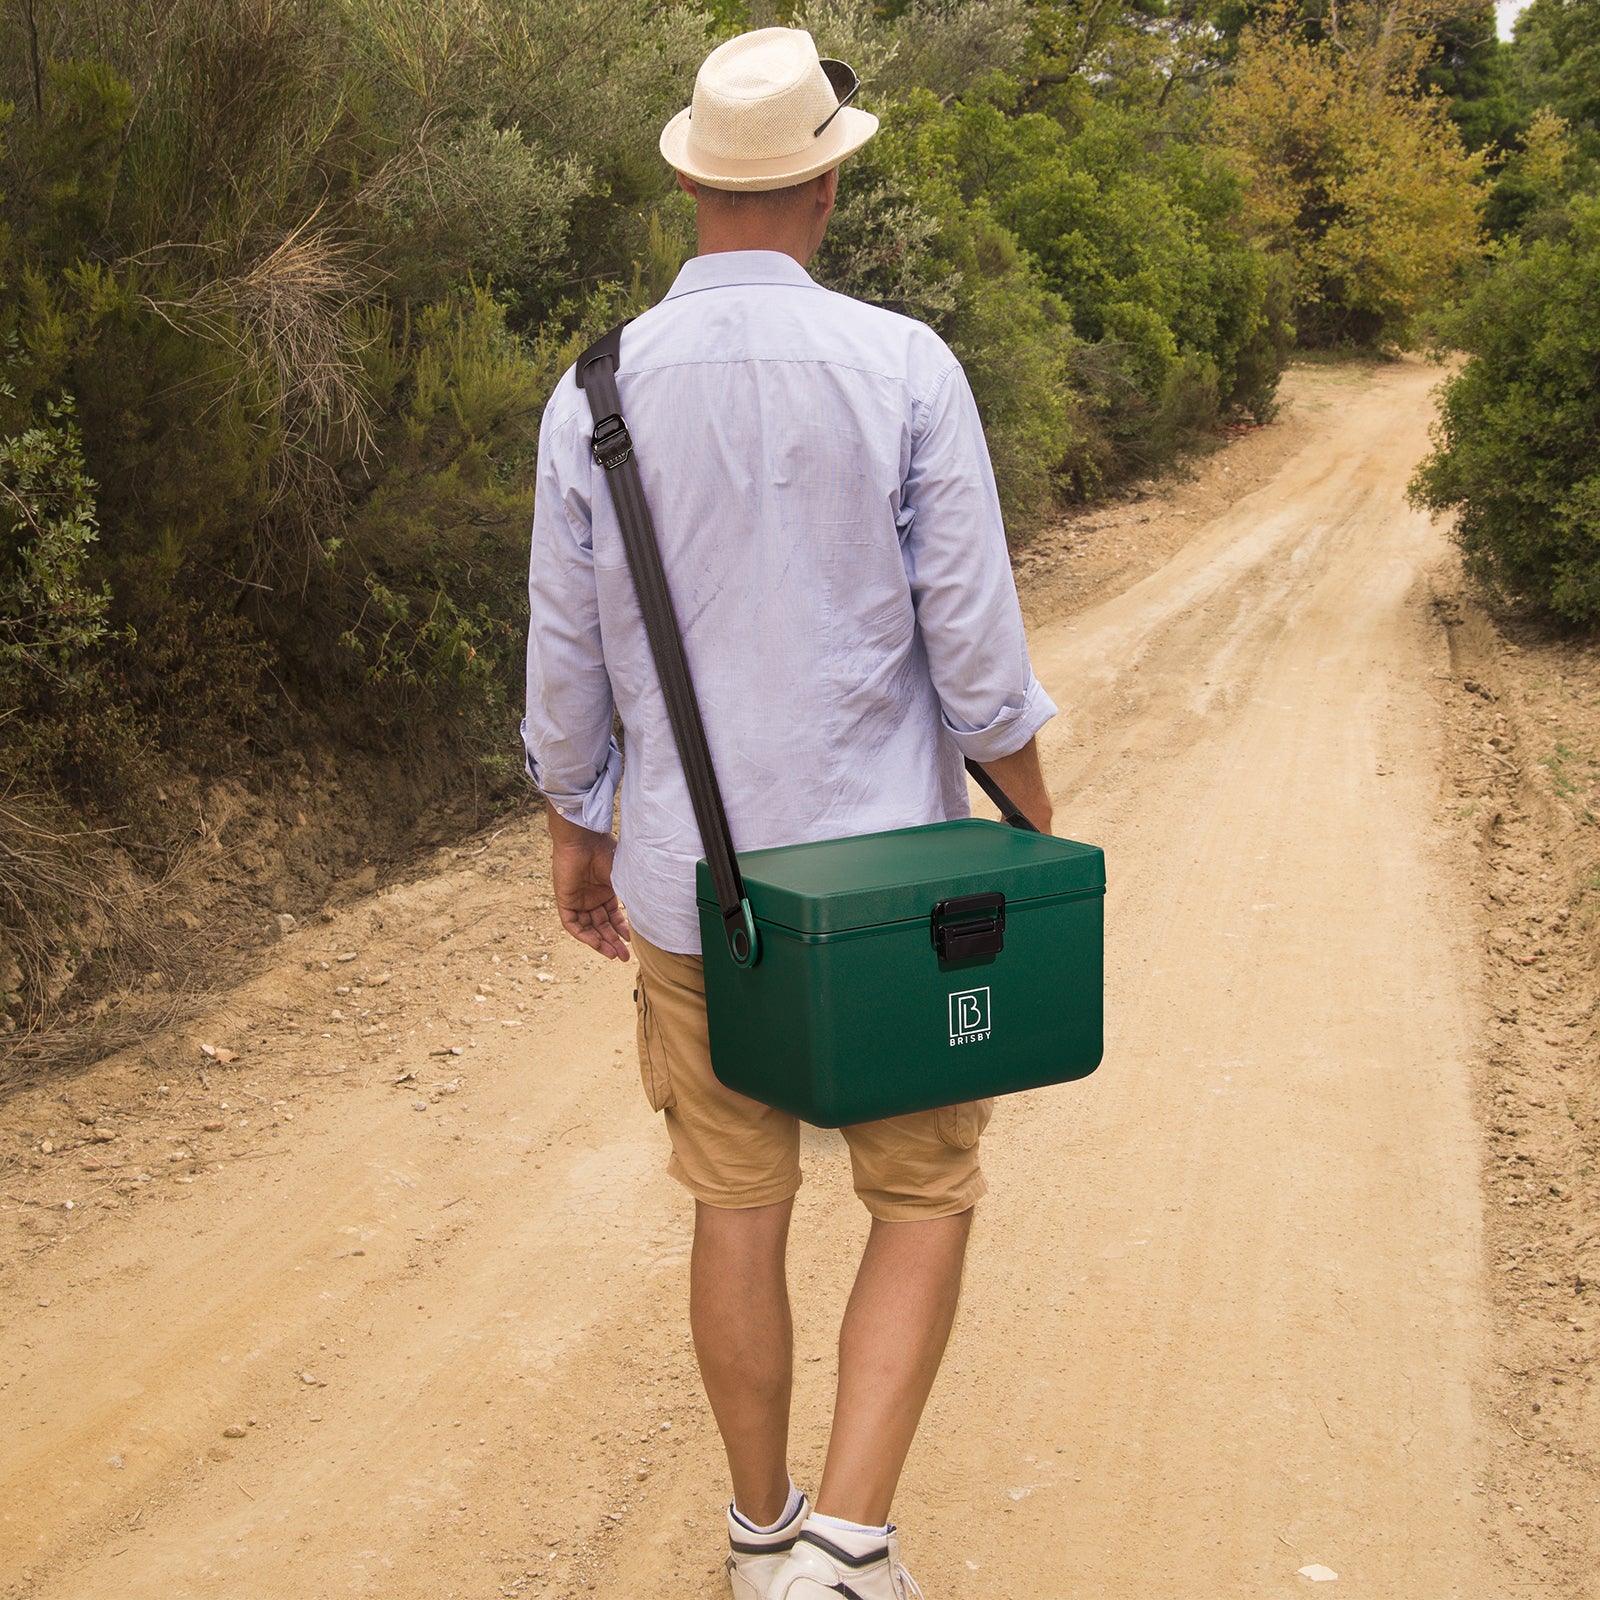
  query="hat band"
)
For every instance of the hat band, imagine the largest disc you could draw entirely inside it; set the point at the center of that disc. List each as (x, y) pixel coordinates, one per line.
(814, 150)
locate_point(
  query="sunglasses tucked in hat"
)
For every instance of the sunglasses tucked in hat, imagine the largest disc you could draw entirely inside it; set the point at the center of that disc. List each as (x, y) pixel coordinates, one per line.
(767, 113)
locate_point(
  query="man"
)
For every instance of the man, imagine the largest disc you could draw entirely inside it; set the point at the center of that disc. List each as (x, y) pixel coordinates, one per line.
(830, 530)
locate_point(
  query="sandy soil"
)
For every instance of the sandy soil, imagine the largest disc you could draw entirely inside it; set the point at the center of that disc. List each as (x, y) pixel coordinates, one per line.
(380, 1293)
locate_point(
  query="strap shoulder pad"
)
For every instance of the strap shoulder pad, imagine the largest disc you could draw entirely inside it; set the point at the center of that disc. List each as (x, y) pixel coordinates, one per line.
(607, 347)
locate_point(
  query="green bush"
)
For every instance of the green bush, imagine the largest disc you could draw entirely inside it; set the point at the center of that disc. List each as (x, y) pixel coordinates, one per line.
(52, 616)
(1140, 239)
(1515, 445)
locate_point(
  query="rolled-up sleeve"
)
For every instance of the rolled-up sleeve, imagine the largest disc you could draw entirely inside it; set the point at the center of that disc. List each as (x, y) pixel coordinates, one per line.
(961, 583)
(566, 728)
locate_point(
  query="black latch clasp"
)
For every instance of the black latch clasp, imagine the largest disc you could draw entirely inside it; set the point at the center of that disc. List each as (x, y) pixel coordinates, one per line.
(969, 926)
(613, 445)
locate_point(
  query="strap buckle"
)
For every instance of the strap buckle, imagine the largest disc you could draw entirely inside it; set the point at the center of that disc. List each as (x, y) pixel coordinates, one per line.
(613, 444)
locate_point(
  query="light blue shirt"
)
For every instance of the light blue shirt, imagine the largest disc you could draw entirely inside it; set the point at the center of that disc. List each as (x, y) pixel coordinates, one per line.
(827, 516)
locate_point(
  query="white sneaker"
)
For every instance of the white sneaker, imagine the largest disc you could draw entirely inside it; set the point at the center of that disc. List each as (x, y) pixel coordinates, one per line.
(754, 1558)
(857, 1567)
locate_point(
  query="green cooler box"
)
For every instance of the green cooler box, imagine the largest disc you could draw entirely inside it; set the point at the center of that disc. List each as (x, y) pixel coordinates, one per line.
(901, 971)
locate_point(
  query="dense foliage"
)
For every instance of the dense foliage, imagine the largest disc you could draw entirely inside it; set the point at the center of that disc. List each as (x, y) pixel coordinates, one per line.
(1517, 445)
(1519, 427)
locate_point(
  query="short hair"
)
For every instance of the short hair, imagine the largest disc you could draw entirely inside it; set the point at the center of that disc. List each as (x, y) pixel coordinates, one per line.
(752, 199)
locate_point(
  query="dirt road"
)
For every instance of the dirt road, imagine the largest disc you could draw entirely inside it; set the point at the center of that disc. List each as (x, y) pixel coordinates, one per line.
(307, 1331)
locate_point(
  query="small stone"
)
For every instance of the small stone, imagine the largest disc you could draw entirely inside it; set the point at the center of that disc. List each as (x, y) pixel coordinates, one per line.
(419, 1105)
(349, 955)
(309, 1379)
(286, 923)
(379, 981)
(103, 1135)
(92, 1166)
(114, 1462)
(234, 1431)
(46, 1148)
(213, 1127)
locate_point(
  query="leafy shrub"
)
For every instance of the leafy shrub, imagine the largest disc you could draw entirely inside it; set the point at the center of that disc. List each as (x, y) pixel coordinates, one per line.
(1536, 179)
(52, 616)
(1140, 242)
(1514, 453)
(429, 576)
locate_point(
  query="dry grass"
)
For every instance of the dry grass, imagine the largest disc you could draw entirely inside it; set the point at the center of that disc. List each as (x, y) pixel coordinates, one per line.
(291, 319)
(93, 954)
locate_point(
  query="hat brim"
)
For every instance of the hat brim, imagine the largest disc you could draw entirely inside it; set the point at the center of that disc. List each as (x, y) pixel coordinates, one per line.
(846, 134)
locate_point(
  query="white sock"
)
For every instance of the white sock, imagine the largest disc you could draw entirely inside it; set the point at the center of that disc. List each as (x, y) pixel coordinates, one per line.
(790, 1507)
(838, 1525)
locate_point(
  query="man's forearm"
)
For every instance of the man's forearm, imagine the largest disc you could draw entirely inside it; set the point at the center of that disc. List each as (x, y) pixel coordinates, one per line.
(1022, 778)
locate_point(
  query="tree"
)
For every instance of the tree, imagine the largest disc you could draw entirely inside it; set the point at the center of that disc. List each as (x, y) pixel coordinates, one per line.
(1360, 182)
(1471, 68)
(1556, 63)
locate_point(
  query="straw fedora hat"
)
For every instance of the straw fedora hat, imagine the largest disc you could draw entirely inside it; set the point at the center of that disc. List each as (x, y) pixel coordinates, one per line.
(766, 114)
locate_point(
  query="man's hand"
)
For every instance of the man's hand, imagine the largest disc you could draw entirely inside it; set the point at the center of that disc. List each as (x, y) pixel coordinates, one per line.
(580, 869)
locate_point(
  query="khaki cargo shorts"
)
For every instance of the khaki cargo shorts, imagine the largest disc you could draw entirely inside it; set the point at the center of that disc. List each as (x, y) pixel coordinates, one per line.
(734, 1152)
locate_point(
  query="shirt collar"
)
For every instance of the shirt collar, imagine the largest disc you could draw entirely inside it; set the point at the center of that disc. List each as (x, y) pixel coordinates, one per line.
(725, 268)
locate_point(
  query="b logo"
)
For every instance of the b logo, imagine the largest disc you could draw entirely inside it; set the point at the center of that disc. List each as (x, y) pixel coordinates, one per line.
(969, 1016)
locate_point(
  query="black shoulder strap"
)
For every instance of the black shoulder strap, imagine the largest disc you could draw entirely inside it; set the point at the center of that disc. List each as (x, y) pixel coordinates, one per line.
(613, 450)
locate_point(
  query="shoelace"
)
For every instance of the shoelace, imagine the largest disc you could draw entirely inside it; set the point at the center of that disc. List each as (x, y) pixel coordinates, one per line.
(907, 1585)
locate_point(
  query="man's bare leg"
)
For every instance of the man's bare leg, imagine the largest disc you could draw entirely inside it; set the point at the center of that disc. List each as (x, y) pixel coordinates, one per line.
(744, 1339)
(890, 1346)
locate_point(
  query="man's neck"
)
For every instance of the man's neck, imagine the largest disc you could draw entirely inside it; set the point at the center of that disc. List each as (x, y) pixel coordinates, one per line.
(715, 241)
(794, 227)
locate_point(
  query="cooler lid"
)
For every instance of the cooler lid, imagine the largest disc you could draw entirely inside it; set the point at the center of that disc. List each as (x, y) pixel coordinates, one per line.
(838, 884)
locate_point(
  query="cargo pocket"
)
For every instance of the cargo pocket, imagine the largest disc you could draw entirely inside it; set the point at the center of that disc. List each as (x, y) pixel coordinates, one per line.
(652, 1054)
(961, 1126)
